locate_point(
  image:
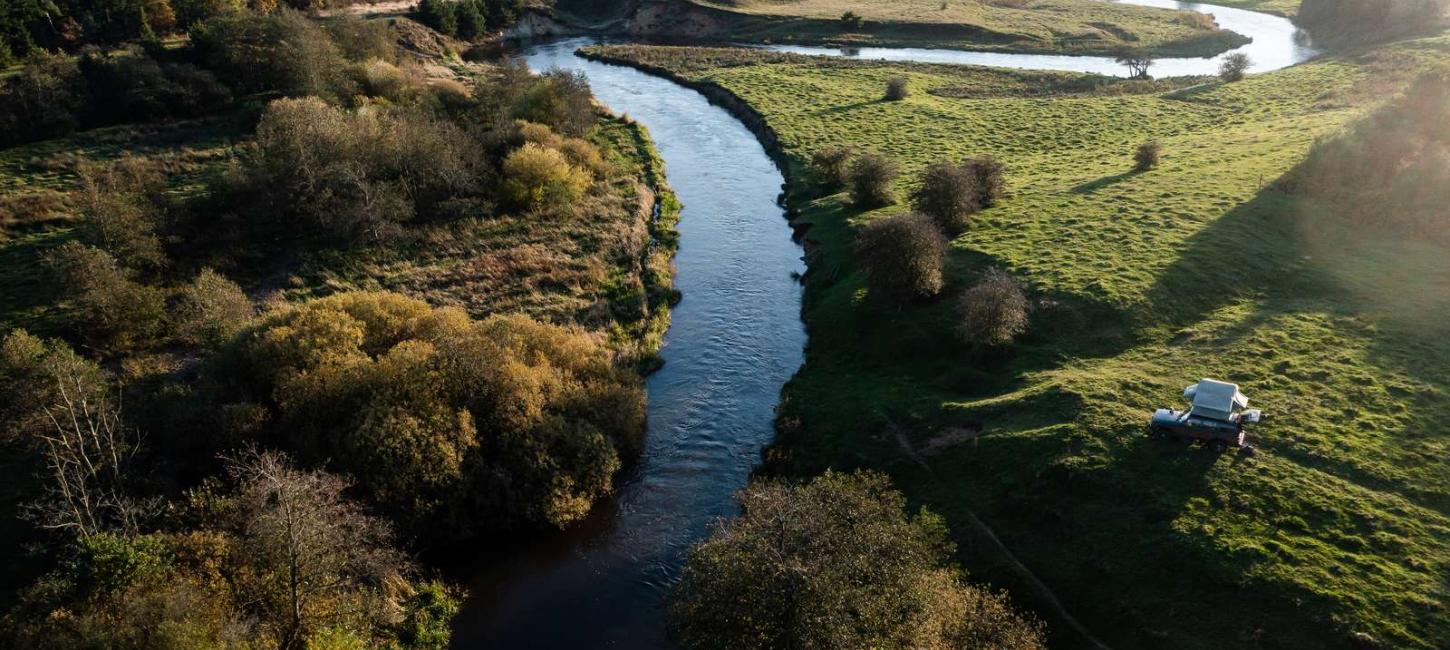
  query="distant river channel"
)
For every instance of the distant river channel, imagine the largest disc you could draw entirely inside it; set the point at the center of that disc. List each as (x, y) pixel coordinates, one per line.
(733, 342)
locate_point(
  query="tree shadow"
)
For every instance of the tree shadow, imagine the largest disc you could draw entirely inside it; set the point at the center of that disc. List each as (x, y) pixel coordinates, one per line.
(848, 107)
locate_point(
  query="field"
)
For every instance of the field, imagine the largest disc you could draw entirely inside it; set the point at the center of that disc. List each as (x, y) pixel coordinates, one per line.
(1336, 533)
(1073, 26)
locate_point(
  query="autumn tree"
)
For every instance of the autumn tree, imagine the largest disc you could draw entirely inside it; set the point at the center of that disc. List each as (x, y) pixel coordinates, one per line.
(902, 257)
(835, 563)
(994, 310)
(833, 166)
(947, 192)
(872, 176)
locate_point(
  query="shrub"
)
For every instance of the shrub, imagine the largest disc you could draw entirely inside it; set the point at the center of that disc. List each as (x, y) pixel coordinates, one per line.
(113, 311)
(991, 181)
(832, 165)
(902, 257)
(43, 100)
(282, 52)
(994, 310)
(835, 563)
(851, 22)
(896, 89)
(212, 310)
(541, 177)
(122, 206)
(1147, 156)
(1234, 66)
(947, 194)
(559, 98)
(471, 19)
(872, 176)
(446, 421)
(439, 15)
(363, 40)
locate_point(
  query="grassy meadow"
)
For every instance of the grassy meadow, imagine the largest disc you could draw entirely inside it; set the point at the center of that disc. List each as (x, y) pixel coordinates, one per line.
(1336, 533)
(1051, 25)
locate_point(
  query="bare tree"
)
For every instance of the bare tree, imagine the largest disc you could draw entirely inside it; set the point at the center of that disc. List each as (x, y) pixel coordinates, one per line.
(314, 556)
(87, 450)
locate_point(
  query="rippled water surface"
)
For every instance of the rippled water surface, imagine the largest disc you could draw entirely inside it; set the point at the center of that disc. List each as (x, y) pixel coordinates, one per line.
(734, 341)
(1277, 43)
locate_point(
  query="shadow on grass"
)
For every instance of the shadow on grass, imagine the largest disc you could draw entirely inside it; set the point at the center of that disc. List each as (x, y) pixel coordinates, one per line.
(845, 108)
(1093, 186)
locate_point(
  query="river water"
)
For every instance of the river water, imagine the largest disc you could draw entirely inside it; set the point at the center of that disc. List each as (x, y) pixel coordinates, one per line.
(734, 341)
(1277, 43)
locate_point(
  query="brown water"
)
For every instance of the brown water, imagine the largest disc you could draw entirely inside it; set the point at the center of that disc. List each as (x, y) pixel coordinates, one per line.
(733, 342)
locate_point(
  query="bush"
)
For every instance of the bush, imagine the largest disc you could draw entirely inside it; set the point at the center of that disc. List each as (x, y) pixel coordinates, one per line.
(43, 100)
(896, 89)
(1234, 66)
(872, 176)
(113, 311)
(540, 177)
(363, 40)
(446, 421)
(994, 310)
(283, 52)
(471, 19)
(835, 563)
(1147, 156)
(439, 15)
(122, 207)
(947, 194)
(902, 257)
(832, 165)
(991, 181)
(350, 175)
(212, 310)
(560, 99)
(851, 22)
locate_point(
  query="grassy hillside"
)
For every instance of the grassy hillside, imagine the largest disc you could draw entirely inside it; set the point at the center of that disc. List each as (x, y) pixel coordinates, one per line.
(1336, 534)
(1050, 25)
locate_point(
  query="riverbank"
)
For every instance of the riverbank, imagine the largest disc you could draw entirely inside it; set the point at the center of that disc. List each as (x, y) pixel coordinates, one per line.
(1042, 441)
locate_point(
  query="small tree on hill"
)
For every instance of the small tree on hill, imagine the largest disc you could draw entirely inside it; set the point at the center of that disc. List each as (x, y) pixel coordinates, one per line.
(851, 21)
(903, 257)
(833, 166)
(896, 89)
(947, 194)
(1137, 61)
(994, 310)
(1147, 155)
(1235, 66)
(439, 15)
(872, 175)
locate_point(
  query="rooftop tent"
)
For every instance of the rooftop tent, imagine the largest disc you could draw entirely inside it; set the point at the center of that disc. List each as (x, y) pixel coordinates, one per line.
(1215, 399)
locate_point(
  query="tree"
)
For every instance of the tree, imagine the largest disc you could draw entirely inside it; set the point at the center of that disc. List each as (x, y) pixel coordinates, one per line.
(121, 207)
(896, 89)
(313, 555)
(902, 257)
(1147, 155)
(991, 181)
(872, 176)
(948, 194)
(560, 99)
(87, 450)
(114, 311)
(835, 563)
(850, 21)
(1235, 65)
(1137, 62)
(832, 165)
(994, 310)
(439, 15)
(472, 25)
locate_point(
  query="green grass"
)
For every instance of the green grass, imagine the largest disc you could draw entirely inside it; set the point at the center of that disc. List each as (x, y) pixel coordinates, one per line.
(1042, 25)
(1143, 283)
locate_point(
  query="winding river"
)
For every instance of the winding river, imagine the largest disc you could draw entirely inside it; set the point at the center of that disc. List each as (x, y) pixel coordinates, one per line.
(734, 341)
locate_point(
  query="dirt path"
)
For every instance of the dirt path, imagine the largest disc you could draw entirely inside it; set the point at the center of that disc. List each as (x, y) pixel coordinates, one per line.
(1043, 592)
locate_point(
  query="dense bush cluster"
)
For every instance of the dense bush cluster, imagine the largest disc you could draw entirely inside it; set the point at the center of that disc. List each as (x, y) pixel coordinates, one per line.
(872, 178)
(836, 563)
(469, 20)
(950, 192)
(447, 421)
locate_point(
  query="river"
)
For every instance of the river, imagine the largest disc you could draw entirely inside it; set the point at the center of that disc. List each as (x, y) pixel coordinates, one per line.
(733, 342)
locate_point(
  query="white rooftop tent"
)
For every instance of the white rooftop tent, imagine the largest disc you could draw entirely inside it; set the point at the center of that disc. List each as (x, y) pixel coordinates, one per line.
(1215, 399)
